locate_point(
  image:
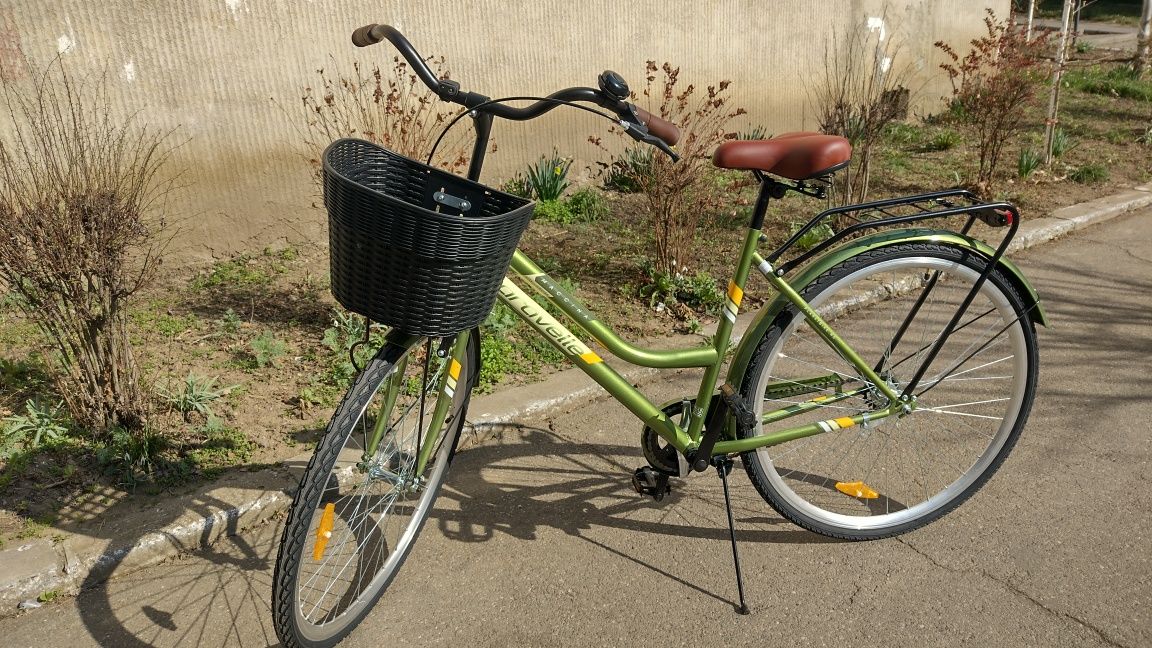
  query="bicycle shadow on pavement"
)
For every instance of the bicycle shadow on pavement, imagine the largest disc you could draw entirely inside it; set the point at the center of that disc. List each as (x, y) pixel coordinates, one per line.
(525, 480)
(519, 482)
(215, 592)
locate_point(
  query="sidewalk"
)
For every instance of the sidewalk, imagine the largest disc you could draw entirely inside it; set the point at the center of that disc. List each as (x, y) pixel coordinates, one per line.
(133, 536)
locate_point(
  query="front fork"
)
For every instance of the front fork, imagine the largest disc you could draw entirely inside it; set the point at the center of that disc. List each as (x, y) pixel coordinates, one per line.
(446, 378)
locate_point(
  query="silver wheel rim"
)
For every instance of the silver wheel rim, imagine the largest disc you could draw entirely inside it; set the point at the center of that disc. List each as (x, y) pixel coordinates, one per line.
(1016, 346)
(315, 626)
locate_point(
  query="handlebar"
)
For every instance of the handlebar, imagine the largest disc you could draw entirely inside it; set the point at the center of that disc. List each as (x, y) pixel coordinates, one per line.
(638, 123)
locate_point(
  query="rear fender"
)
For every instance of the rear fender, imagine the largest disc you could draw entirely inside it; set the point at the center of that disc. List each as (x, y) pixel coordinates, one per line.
(767, 315)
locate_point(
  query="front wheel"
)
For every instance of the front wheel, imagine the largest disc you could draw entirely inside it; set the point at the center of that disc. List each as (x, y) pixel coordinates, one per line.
(369, 487)
(898, 473)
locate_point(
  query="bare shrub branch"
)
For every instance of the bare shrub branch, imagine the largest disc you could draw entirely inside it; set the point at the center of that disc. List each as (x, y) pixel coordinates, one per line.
(678, 194)
(993, 87)
(80, 192)
(394, 109)
(861, 92)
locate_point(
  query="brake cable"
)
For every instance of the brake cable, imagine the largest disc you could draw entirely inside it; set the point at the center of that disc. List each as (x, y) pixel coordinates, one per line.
(489, 102)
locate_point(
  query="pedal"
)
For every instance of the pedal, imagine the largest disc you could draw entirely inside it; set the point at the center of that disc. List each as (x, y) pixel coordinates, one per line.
(651, 482)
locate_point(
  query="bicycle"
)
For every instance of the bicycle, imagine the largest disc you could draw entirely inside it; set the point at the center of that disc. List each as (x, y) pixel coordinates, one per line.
(855, 441)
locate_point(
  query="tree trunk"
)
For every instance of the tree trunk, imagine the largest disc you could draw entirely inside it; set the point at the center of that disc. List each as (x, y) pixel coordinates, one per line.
(1057, 72)
(1031, 16)
(1142, 63)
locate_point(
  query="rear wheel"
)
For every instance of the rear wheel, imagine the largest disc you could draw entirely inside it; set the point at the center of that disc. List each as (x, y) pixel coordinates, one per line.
(898, 473)
(369, 487)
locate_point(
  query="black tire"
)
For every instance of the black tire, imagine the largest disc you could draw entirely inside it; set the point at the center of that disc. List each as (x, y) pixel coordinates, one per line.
(898, 473)
(376, 505)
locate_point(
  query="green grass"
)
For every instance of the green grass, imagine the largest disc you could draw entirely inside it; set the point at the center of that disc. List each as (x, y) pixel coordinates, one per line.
(196, 394)
(1089, 174)
(1124, 12)
(239, 271)
(155, 318)
(583, 206)
(222, 447)
(15, 331)
(1119, 81)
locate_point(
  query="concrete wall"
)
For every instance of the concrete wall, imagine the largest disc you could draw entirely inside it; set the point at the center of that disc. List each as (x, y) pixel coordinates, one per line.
(230, 73)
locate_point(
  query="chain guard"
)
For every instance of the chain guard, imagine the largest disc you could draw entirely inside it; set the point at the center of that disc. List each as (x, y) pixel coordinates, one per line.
(660, 454)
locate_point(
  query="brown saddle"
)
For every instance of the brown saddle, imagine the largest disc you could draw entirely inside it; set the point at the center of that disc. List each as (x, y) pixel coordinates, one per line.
(796, 156)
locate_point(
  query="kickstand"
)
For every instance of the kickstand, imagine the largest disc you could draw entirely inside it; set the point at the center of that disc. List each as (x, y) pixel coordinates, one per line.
(723, 467)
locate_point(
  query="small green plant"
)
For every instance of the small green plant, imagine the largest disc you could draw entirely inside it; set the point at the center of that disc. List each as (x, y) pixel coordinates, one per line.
(38, 425)
(588, 205)
(267, 349)
(758, 132)
(240, 271)
(196, 394)
(497, 359)
(1061, 143)
(812, 237)
(944, 140)
(1089, 174)
(628, 173)
(903, 134)
(518, 185)
(22, 376)
(1083, 47)
(553, 211)
(133, 457)
(1119, 136)
(309, 398)
(1028, 162)
(500, 320)
(548, 177)
(48, 597)
(230, 322)
(583, 206)
(697, 292)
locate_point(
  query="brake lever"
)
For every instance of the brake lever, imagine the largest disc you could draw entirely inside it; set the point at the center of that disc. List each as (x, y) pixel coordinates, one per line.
(639, 133)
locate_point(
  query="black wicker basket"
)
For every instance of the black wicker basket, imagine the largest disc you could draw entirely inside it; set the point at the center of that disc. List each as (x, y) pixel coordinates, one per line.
(414, 247)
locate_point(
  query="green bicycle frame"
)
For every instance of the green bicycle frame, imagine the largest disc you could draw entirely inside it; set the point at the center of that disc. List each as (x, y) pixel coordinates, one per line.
(709, 357)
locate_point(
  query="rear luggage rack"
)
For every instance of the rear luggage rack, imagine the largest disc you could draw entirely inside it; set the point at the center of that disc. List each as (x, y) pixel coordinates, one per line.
(901, 211)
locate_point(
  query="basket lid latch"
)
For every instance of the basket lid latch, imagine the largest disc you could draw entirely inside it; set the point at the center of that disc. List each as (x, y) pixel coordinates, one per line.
(448, 200)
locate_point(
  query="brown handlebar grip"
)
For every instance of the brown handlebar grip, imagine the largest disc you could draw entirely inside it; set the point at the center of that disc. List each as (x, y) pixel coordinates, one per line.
(659, 127)
(364, 37)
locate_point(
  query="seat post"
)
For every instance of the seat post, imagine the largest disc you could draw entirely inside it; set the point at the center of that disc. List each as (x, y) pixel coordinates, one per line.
(769, 189)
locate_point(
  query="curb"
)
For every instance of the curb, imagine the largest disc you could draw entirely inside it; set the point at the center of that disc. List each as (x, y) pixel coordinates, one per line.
(244, 500)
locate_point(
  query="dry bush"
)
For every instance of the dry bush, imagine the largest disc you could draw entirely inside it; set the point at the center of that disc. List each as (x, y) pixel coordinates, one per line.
(395, 110)
(859, 95)
(994, 88)
(79, 194)
(678, 194)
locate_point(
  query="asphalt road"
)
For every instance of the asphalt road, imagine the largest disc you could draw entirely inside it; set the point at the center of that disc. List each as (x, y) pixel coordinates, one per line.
(539, 540)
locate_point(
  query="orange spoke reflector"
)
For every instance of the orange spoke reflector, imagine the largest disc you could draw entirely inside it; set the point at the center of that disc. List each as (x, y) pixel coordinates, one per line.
(324, 532)
(857, 489)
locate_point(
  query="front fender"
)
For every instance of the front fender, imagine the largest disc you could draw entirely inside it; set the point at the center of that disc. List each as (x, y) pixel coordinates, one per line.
(767, 315)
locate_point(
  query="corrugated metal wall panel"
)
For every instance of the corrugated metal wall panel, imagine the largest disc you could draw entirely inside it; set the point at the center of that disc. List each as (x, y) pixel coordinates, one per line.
(230, 73)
